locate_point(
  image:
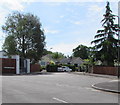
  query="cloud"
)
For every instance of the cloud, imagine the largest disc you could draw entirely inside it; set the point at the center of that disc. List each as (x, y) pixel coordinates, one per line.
(6, 7)
(95, 8)
(65, 48)
(76, 22)
(62, 16)
(12, 5)
(95, 12)
(48, 31)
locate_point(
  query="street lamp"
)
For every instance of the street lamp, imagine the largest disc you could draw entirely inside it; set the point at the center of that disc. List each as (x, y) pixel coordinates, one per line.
(118, 46)
(118, 39)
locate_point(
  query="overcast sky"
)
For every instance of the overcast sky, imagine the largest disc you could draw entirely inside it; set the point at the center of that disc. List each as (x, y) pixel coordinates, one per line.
(66, 24)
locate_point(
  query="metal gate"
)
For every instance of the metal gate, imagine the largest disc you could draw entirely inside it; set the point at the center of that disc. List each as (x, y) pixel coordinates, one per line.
(23, 65)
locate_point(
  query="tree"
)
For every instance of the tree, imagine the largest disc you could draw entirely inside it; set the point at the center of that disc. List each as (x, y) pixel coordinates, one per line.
(81, 51)
(105, 42)
(57, 55)
(27, 35)
(10, 44)
(45, 52)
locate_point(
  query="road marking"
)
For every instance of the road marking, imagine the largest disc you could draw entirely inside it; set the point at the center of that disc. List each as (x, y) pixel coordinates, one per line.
(59, 100)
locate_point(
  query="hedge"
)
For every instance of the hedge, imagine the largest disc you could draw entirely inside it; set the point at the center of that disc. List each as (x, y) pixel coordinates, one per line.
(51, 68)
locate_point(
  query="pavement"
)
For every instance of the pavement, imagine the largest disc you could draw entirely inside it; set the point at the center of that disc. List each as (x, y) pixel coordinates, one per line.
(110, 86)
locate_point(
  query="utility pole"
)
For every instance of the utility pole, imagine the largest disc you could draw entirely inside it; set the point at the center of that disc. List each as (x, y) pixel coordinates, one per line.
(118, 39)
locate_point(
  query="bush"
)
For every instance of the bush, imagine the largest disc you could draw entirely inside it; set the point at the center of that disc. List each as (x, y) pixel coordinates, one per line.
(51, 68)
(72, 67)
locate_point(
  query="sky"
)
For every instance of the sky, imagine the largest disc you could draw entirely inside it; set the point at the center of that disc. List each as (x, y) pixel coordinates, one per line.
(66, 23)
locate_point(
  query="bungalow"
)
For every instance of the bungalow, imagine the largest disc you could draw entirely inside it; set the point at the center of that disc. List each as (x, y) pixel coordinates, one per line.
(72, 60)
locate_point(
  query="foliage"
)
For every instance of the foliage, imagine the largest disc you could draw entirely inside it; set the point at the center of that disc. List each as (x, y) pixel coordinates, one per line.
(10, 44)
(105, 42)
(57, 55)
(26, 34)
(81, 51)
(51, 68)
(45, 52)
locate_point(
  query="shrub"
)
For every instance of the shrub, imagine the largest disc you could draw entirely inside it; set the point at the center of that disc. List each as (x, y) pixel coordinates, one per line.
(51, 68)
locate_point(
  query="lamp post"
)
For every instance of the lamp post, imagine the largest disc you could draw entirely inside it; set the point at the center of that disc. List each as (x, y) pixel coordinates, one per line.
(118, 39)
(118, 47)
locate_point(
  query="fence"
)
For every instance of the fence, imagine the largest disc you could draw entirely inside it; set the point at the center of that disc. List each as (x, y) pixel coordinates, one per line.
(8, 65)
(105, 70)
(35, 68)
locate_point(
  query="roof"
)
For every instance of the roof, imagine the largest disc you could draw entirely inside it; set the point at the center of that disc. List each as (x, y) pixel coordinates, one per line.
(73, 60)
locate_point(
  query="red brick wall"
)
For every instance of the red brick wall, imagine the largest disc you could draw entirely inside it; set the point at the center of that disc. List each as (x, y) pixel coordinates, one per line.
(105, 70)
(7, 63)
(35, 68)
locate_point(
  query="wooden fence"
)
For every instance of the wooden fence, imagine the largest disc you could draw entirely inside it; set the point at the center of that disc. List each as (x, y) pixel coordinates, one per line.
(105, 70)
(8, 65)
(35, 68)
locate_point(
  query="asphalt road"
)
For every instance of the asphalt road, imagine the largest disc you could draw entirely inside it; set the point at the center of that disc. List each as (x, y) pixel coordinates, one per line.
(54, 88)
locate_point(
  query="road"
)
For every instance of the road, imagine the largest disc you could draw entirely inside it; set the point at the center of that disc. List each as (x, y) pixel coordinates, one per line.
(54, 88)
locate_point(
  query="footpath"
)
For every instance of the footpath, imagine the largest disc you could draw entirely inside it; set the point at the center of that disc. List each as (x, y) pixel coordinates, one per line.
(110, 86)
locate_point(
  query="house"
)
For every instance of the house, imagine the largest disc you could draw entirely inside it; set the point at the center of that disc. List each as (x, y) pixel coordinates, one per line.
(72, 60)
(47, 59)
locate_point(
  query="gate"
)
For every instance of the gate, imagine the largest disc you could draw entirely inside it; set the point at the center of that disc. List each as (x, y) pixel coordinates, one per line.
(23, 65)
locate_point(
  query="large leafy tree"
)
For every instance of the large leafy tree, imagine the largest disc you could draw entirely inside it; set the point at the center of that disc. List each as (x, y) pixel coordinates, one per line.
(57, 55)
(105, 40)
(81, 51)
(24, 36)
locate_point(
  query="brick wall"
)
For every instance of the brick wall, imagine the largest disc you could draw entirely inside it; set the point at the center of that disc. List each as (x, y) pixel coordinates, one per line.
(8, 65)
(35, 68)
(105, 70)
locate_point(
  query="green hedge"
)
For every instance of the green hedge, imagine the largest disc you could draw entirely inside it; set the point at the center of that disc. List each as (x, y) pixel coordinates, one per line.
(51, 68)
(72, 67)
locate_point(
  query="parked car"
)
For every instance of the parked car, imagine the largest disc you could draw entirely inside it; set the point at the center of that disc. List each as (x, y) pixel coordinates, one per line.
(60, 69)
(64, 68)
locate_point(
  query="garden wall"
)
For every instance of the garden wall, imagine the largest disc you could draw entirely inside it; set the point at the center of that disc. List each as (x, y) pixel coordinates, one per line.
(105, 70)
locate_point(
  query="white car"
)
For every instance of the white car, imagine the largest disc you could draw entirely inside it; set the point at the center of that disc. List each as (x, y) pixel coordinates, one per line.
(64, 68)
(60, 69)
